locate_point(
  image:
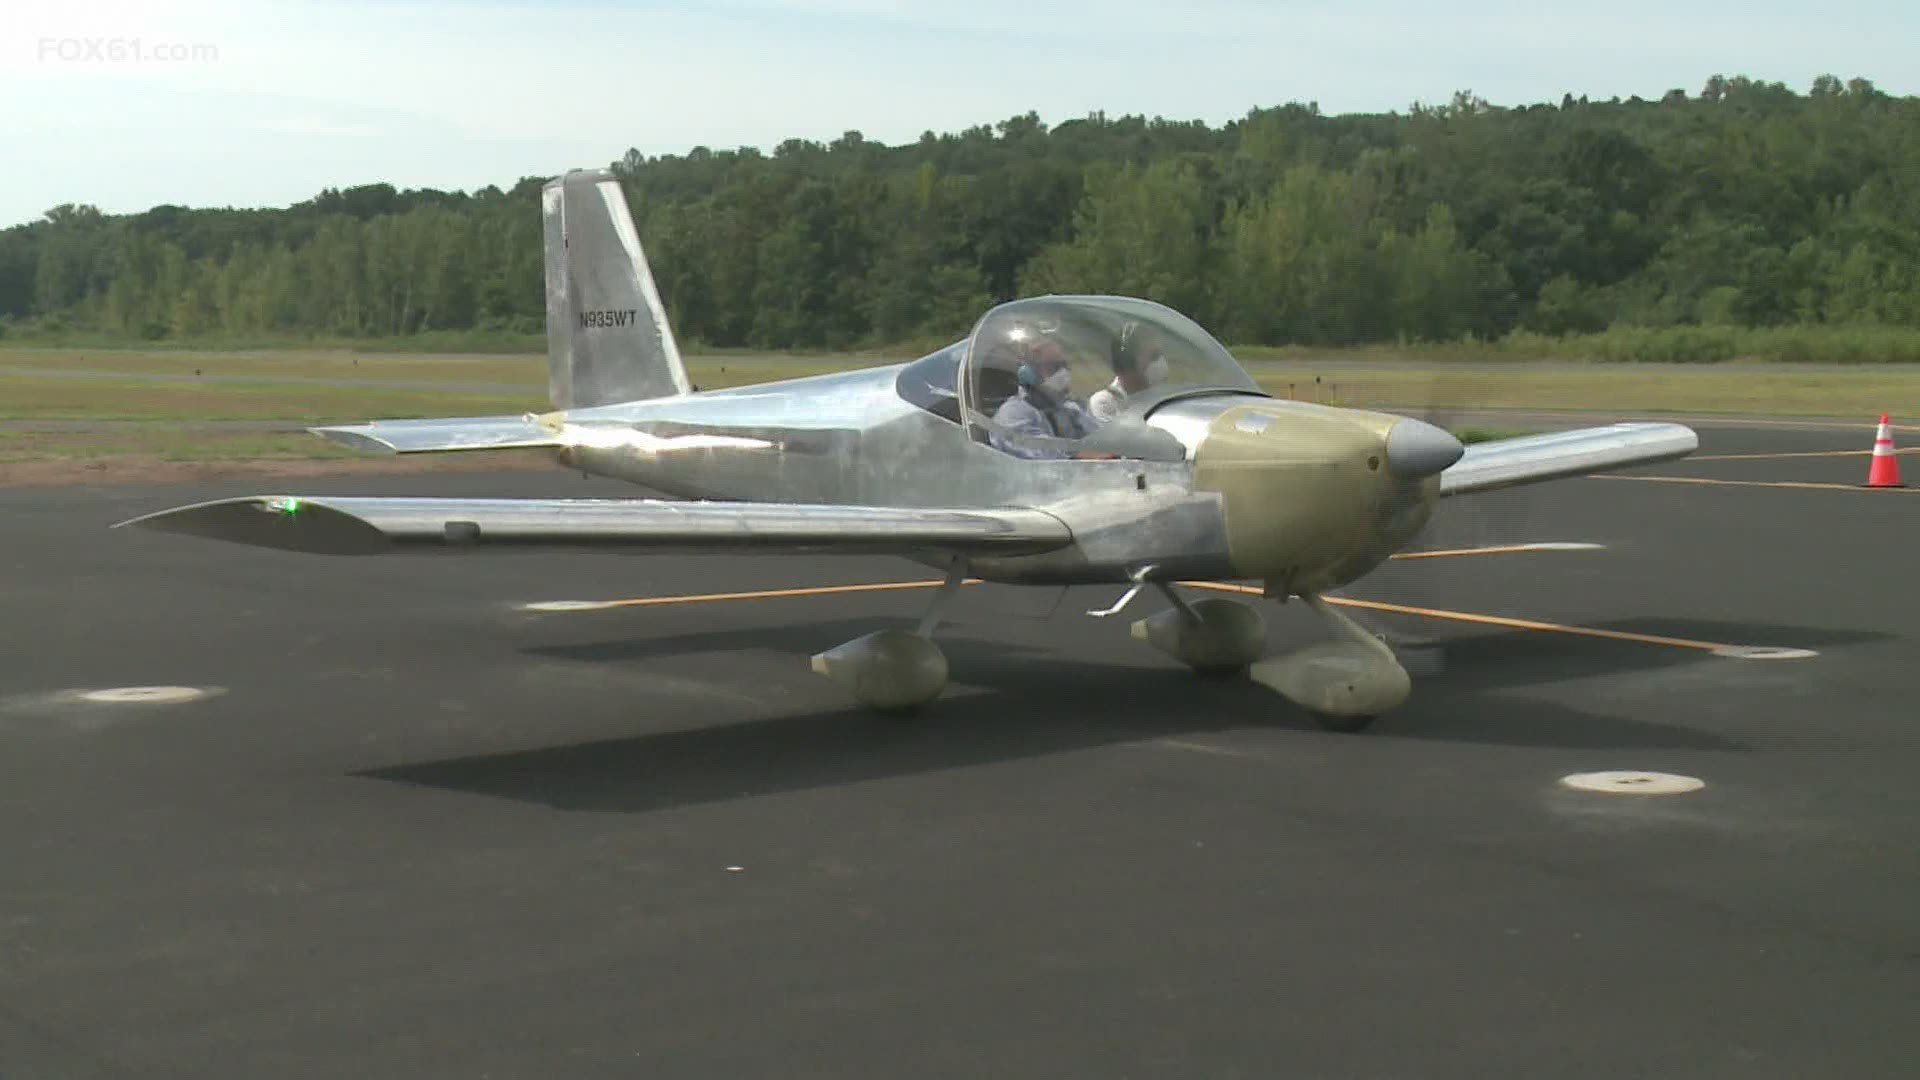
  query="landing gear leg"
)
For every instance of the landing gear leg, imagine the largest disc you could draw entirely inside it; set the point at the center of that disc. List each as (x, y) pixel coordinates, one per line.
(943, 599)
(892, 670)
(1345, 684)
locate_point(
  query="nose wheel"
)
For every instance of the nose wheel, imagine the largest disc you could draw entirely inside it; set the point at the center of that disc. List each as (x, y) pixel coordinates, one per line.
(1342, 725)
(1344, 684)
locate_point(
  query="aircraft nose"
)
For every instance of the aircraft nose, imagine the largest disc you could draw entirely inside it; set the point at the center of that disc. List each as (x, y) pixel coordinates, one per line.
(1417, 449)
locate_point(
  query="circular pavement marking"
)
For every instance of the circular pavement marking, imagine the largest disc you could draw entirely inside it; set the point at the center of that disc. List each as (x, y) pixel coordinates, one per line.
(1763, 652)
(146, 695)
(1633, 782)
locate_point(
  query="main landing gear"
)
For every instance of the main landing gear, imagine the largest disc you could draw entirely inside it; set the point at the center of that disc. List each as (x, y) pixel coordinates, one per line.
(1343, 683)
(892, 670)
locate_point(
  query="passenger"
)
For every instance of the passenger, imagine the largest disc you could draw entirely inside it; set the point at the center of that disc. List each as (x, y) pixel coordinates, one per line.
(1137, 365)
(1042, 408)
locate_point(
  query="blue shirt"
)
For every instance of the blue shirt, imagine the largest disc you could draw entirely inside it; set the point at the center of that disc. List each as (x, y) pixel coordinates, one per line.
(1021, 416)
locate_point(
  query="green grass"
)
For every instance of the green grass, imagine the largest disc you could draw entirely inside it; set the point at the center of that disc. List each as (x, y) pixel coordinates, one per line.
(435, 341)
(1738, 390)
(166, 445)
(709, 371)
(1805, 343)
(1754, 389)
(268, 365)
(1471, 435)
(1718, 344)
(1811, 344)
(28, 397)
(130, 393)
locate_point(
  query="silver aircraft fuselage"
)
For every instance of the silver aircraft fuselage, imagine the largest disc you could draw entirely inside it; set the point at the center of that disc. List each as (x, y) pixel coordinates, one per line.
(852, 438)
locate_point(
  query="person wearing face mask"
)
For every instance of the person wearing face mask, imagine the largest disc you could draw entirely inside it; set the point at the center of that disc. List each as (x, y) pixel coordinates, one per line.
(1043, 408)
(1137, 365)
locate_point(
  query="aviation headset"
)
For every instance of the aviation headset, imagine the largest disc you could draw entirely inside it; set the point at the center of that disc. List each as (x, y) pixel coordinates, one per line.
(1028, 373)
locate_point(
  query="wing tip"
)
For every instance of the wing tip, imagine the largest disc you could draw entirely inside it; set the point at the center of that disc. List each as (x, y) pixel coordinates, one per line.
(284, 522)
(359, 438)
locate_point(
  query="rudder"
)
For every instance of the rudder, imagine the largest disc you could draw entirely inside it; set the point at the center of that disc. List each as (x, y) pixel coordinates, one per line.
(608, 339)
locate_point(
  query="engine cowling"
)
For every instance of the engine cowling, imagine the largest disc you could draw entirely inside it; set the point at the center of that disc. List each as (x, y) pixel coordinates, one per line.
(1315, 496)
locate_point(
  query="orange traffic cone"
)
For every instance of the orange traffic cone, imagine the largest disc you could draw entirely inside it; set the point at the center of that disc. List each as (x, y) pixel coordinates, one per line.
(1885, 470)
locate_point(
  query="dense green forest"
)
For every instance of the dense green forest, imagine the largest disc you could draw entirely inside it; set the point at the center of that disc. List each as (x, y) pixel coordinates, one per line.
(1745, 205)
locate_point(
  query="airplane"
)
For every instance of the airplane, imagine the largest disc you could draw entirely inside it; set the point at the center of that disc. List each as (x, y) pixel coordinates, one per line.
(1066, 440)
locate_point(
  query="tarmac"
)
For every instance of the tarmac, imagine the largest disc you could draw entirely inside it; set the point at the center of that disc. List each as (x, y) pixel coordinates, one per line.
(414, 830)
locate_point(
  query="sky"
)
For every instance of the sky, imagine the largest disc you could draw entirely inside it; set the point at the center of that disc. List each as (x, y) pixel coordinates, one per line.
(128, 105)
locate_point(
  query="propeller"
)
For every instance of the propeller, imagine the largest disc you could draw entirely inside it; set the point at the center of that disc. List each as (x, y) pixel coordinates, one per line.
(1487, 521)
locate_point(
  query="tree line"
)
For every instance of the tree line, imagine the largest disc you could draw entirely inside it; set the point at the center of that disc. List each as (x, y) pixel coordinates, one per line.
(1746, 204)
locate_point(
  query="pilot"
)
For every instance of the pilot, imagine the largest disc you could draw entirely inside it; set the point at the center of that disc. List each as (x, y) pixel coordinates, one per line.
(1137, 365)
(1042, 408)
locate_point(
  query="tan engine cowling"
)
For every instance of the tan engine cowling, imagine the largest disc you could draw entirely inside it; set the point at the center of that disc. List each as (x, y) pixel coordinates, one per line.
(1316, 496)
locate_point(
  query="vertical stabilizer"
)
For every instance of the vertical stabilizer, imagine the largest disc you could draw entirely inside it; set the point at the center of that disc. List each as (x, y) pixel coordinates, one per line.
(607, 335)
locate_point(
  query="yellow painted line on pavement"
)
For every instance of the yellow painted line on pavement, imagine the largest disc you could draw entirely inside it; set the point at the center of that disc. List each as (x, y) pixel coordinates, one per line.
(708, 598)
(1501, 549)
(1718, 648)
(891, 586)
(1801, 484)
(1753, 422)
(1796, 454)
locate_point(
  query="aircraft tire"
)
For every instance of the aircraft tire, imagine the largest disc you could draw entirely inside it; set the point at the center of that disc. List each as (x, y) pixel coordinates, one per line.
(1344, 725)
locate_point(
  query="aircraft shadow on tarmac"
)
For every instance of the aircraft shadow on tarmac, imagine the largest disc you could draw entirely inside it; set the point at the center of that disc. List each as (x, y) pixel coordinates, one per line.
(1010, 705)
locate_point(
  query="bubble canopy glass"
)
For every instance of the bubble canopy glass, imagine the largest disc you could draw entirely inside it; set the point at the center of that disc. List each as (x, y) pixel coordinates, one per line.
(1138, 352)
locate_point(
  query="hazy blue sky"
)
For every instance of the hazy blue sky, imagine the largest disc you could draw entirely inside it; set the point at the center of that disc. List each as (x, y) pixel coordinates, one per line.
(127, 105)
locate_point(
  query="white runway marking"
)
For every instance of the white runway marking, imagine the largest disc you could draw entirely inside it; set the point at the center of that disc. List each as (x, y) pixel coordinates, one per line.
(146, 695)
(1763, 652)
(1201, 748)
(1633, 782)
(101, 709)
(567, 605)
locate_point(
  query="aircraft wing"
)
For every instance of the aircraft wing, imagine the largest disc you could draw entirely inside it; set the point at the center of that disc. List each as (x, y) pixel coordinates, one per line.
(369, 526)
(435, 436)
(1506, 462)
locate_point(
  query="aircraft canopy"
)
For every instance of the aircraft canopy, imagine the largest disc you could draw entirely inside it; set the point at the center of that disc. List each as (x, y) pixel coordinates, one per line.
(1077, 363)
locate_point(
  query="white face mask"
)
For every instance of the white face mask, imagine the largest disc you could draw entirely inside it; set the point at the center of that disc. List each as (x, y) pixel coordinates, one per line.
(1058, 383)
(1157, 371)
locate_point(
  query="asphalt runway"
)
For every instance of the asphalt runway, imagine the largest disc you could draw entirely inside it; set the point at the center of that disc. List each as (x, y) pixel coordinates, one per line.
(418, 831)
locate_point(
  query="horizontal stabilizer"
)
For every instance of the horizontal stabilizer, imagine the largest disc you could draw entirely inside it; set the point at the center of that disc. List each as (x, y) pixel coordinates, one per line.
(454, 433)
(1506, 462)
(369, 526)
